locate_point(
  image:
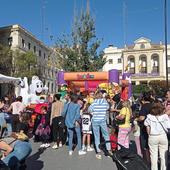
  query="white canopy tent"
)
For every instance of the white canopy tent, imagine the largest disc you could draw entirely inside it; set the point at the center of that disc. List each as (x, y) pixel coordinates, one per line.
(8, 79)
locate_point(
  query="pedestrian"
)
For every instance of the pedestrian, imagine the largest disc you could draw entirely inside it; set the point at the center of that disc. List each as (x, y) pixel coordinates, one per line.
(55, 120)
(72, 120)
(43, 129)
(17, 108)
(124, 126)
(99, 109)
(86, 128)
(113, 137)
(157, 123)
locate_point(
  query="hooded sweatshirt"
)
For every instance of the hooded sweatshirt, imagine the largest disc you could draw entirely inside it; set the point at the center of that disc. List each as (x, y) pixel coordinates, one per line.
(98, 109)
(155, 124)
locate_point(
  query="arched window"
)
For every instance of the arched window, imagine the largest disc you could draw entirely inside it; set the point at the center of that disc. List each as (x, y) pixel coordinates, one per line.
(143, 63)
(155, 63)
(131, 64)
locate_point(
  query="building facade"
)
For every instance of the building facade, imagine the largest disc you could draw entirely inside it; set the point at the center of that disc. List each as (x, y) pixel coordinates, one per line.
(144, 60)
(114, 58)
(17, 38)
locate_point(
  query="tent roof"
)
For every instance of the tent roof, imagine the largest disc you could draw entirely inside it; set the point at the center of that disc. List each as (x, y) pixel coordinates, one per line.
(8, 79)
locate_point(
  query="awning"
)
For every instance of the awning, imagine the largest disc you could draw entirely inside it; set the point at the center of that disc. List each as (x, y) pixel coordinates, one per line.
(8, 79)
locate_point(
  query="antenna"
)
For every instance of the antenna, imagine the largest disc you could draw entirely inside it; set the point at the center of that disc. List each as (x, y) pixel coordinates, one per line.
(42, 19)
(88, 7)
(124, 22)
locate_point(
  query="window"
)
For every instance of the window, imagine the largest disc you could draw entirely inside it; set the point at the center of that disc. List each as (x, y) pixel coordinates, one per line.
(10, 41)
(34, 49)
(39, 53)
(29, 46)
(142, 46)
(44, 56)
(119, 60)
(110, 61)
(23, 43)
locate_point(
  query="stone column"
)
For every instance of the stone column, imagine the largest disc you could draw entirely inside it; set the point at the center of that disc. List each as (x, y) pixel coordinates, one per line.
(149, 67)
(136, 63)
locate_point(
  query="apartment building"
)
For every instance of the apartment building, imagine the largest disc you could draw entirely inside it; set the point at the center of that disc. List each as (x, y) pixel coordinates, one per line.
(18, 38)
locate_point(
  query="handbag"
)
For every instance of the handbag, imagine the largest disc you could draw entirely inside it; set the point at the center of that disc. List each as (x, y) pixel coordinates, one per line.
(120, 121)
(167, 131)
(61, 122)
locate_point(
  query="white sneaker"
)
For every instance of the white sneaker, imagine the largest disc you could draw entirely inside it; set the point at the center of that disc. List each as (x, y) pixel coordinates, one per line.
(42, 146)
(55, 146)
(70, 153)
(89, 149)
(81, 152)
(60, 145)
(47, 145)
(83, 148)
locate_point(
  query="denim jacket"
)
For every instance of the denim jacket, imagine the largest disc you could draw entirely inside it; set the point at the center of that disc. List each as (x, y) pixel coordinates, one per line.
(71, 112)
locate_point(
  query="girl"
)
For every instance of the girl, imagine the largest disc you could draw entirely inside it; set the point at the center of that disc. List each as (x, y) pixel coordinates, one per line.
(86, 128)
(124, 128)
(113, 137)
(43, 129)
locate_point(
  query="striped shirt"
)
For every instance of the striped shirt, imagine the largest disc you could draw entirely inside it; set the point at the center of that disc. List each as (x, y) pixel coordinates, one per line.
(98, 109)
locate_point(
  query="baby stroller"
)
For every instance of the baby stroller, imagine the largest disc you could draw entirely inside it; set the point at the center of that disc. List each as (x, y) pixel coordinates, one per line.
(125, 159)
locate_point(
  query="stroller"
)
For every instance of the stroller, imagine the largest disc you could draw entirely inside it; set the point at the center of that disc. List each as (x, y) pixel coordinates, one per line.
(125, 159)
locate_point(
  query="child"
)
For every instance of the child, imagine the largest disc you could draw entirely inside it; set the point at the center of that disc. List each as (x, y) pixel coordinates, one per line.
(86, 128)
(23, 125)
(113, 137)
(136, 133)
(43, 129)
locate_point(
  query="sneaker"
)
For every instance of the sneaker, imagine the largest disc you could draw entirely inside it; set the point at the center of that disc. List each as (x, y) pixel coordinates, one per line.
(42, 146)
(70, 153)
(83, 147)
(60, 145)
(81, 152)
(47, 145)
(98, 156)
(55, 146)
(89, 149)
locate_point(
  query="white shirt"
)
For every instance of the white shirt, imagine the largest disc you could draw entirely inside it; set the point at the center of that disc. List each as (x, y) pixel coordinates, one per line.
(155, 127)
(17, 107)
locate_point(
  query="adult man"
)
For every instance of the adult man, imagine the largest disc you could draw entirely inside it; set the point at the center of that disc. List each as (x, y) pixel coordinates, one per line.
(17, 108)
(98, 109)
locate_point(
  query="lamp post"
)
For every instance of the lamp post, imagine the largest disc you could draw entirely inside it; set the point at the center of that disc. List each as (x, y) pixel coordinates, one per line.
(165, 31)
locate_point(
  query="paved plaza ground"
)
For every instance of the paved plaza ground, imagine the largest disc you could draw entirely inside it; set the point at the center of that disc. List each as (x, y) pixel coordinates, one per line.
(51, 159)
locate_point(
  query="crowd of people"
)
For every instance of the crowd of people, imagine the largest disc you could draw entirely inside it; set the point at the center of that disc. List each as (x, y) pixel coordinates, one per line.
(86, 120)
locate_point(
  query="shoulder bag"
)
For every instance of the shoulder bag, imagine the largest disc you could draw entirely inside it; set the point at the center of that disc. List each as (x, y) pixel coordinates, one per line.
(167, 131)
(61, 122)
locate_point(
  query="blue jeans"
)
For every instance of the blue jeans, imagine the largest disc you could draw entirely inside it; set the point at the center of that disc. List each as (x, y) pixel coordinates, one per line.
(20, 152)
(3, 122)
(97, 125)
(70, 137)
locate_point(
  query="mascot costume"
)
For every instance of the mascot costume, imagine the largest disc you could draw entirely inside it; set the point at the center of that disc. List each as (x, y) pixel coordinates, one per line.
(32, 94)
(36, 89)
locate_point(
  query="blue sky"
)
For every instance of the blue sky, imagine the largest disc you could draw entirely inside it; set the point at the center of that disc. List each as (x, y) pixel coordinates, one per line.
(144, 18)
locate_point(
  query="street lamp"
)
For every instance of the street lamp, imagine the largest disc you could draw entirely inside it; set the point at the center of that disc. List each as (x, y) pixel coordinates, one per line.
(165, 29)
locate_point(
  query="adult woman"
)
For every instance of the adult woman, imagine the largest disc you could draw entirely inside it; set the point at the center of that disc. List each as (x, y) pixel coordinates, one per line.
(57, 131)
(124, 128)
(72, 117)
(157, 123)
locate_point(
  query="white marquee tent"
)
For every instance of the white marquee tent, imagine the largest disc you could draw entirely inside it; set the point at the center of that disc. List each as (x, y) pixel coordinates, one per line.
(8, 79)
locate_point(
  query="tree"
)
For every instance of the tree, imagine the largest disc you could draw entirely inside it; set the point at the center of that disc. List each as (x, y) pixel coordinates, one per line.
(79, 50)
(24, 64)
(5, 60)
